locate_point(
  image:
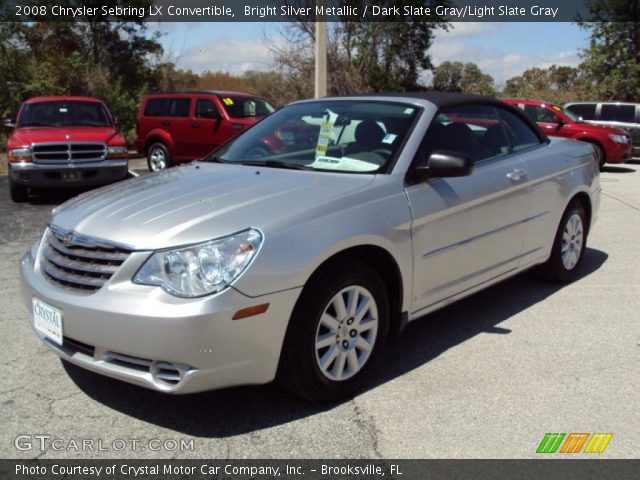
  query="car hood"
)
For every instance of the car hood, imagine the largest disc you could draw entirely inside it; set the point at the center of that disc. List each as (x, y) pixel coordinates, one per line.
(200, 201)
(28, 136)
(593, 128)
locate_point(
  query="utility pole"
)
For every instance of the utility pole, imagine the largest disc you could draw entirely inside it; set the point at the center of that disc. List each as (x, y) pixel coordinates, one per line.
(321, 54)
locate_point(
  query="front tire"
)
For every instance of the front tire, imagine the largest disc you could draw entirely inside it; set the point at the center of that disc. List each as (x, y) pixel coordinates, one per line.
(337, 330)
(18, 193)
(601, 156)
(158, 157)
(568, 247)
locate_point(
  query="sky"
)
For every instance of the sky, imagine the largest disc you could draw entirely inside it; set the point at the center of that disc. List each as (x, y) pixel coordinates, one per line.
(502, 50)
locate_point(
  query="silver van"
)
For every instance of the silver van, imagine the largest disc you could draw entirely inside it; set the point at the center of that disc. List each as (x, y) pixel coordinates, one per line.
(615, 114)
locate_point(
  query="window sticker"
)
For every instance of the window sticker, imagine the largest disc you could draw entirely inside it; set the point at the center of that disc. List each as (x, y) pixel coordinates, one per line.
(345, 163)
(227, 101)
(408, 111)
(389, 138)
(328, 119)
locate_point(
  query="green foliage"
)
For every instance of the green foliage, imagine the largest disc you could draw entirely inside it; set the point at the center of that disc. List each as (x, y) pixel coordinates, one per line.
(556, 84)
(612, 61)
(462, 77)
(362, 55)
(108, 60)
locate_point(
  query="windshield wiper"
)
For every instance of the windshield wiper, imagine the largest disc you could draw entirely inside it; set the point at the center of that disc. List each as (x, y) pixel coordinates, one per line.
(213, 159)
(274, 164)
(39, 124)
(100, 125)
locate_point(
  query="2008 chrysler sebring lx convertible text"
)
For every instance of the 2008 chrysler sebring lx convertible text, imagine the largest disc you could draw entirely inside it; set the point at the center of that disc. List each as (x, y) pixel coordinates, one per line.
(298, 263)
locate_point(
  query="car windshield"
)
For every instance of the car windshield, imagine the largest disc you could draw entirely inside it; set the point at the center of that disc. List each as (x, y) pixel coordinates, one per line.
(569, 113)
(353, 136)
(64, 114)
(241, 107)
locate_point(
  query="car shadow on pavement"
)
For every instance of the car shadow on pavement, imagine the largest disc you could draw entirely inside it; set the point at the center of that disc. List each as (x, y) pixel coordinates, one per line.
(612, 169)
(241, 410)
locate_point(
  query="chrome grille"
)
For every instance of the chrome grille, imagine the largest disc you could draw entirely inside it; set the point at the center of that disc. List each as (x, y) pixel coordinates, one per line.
(68, 152)
(79, 262)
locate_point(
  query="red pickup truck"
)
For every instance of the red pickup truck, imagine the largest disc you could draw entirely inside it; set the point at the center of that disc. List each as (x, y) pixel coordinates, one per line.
(63, 142)
(612, 145)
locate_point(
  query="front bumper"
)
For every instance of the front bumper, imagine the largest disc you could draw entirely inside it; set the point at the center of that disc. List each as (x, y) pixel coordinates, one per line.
(618, 152)
(144, 336)
(49, 175)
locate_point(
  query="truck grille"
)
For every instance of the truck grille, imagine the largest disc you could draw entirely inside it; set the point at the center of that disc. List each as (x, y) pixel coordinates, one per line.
(79, 262)
(49, 153)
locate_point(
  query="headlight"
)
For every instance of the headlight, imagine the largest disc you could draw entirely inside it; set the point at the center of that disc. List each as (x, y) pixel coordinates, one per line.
(117, 152)
(618, 138)
(19, 155)
(201, 269)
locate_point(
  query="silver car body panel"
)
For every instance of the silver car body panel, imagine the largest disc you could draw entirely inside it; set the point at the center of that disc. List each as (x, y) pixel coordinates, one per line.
(449, 237)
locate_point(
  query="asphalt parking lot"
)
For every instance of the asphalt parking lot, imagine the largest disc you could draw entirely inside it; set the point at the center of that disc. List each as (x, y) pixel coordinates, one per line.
(485, 378)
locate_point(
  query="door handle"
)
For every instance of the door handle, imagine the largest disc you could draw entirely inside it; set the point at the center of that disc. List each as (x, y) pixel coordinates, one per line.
(166, 124)
(517, 174)
(195, 125)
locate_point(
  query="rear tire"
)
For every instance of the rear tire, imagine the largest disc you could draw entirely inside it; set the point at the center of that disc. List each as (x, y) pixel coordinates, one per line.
(18, 193)
(158, 157)
(336, 333)
(568, 247)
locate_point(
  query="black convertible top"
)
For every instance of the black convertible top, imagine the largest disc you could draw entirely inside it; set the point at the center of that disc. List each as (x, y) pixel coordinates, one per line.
(442, 99)
(450, 99)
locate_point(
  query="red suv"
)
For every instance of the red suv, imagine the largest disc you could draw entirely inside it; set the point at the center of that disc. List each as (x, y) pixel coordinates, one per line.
(179, 127)
(63, 142)
(612, 145)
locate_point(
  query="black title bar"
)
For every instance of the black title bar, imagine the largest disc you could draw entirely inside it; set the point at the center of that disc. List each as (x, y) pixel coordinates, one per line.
(303, 10)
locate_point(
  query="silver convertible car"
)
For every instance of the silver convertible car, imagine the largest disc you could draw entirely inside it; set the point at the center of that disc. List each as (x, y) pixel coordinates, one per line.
(295, 250)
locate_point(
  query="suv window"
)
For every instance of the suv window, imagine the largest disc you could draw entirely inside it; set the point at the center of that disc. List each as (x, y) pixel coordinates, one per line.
(618, 113)
(167, 107)
(179, 107)
(539, 114)
(206, 109)
(239, 107)
(585, 110)
(520, 134)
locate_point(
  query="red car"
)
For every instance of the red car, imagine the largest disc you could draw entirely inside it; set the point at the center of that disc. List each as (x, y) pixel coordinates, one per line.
(174, 128)
(612, 145)
(63, 142)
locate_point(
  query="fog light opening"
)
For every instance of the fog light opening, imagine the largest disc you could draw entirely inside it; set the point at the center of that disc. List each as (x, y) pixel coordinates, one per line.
(166, 373)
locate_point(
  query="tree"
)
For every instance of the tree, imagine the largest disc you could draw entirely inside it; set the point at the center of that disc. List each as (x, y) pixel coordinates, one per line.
(462, 77)
(275, 87)
(112, 60)
(361, 55)
(558, 84)
(612, 61)
(171, 79)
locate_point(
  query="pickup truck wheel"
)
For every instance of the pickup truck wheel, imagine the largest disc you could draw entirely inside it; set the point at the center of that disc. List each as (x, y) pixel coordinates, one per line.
(18, 193)
(158, 157)
(336, 333)
(568, 247)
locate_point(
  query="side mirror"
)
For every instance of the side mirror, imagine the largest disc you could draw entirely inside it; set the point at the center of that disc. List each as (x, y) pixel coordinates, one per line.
(444, 163)
(558, 121)
(8, 124)
(116, 121)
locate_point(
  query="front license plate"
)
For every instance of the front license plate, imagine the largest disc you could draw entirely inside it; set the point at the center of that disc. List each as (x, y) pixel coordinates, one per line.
(47, 320)
(70, 176)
